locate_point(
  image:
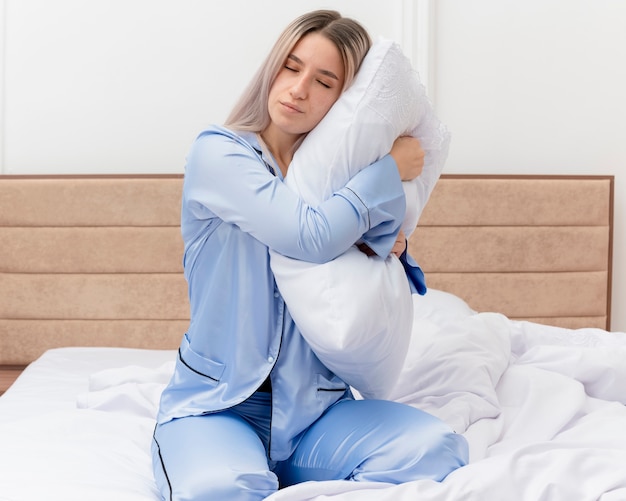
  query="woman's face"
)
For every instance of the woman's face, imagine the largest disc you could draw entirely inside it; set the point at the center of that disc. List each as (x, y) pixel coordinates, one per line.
(307, 86)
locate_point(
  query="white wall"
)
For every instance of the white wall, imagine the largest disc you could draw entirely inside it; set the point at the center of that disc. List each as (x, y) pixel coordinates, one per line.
(123, 86)
(537, 87)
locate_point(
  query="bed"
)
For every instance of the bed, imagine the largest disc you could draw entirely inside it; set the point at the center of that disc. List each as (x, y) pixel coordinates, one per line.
(511, 345)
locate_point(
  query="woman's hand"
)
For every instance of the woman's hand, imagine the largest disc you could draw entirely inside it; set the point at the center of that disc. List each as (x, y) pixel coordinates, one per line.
(409, 157)
(398, 247)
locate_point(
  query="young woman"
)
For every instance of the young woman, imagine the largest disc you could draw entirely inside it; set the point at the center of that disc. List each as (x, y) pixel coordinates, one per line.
(250, 408)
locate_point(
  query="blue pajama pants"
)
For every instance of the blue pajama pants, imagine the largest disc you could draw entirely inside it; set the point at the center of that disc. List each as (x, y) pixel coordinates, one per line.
(223, 456)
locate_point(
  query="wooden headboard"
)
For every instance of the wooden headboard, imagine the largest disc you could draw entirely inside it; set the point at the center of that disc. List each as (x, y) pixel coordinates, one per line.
(96, 260)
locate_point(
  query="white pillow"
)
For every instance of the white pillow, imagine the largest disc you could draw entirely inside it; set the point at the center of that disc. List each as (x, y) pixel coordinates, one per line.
(356, 311)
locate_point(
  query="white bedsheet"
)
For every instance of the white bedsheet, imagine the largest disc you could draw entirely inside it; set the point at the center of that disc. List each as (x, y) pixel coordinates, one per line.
(542, 409)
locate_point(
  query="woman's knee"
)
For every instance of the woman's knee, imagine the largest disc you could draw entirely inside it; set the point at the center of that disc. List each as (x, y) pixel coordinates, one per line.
(375, 440)
(210, 459)
(222, 484)
(415, 445)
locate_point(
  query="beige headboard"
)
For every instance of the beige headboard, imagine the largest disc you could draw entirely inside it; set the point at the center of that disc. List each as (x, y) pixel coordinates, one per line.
(535, 248)
(96, 260)
(90, 261)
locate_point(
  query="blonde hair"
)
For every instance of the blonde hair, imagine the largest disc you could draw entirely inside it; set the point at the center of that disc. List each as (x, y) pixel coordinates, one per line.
(352, 40)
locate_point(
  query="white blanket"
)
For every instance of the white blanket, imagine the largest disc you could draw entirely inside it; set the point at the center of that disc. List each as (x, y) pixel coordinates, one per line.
(541, 407)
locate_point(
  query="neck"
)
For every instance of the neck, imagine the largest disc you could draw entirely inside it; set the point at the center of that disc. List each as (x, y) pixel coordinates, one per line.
(281, 146)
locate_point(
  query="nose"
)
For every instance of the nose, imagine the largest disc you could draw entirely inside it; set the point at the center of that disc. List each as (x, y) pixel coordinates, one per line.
(299, 89)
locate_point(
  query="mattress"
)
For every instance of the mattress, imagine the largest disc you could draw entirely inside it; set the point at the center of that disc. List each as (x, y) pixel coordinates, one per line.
(542, 409)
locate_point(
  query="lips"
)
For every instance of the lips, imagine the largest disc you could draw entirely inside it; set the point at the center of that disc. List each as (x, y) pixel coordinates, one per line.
(291, 107)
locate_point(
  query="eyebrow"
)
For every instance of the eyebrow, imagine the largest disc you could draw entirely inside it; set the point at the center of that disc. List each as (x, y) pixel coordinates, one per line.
(328, 73)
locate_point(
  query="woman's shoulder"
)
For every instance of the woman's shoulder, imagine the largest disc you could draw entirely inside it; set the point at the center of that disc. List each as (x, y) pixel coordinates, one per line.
(218, 147)
(222, 135)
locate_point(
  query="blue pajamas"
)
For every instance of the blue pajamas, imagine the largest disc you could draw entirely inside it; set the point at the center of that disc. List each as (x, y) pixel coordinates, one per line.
(224, 455)
(217, 437)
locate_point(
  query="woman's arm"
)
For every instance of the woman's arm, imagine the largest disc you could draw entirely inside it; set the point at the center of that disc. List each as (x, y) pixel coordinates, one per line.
(226, 178)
